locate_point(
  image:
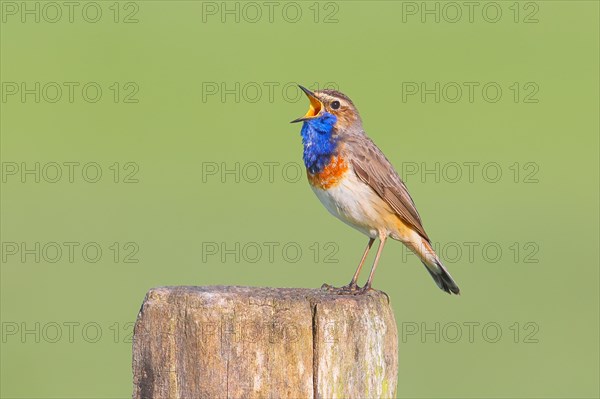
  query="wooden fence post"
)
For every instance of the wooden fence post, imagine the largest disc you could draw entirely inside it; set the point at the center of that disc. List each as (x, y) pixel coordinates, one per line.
(247, 342)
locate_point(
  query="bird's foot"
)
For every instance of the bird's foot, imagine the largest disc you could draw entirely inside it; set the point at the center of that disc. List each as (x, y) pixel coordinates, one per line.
(327, 287)
(350, 289)
(363, 290)
(367, 288)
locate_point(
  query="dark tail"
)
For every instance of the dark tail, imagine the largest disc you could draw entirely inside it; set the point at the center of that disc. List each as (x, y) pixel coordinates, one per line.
(443, 279)
(422, 247)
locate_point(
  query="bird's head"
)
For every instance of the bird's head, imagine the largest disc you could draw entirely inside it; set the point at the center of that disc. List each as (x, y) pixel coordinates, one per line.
(331, 107)
(331, 118)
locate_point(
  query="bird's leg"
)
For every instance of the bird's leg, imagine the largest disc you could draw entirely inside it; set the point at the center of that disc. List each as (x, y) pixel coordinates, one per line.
(352, 286)
(367, 286)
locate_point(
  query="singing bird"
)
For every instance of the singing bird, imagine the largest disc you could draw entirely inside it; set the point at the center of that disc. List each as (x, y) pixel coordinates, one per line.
(359, 186)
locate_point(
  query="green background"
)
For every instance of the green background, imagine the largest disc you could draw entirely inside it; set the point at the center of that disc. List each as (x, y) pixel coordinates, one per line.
(171, 134)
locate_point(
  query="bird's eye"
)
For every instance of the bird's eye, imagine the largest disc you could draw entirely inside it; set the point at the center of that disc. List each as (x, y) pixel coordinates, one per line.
(335, 105)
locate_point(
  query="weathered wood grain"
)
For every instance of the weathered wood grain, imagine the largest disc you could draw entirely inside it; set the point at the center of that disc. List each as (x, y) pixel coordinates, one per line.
(247, 342)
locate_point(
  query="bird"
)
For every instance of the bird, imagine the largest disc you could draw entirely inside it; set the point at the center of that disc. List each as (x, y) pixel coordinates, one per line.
(358, 185)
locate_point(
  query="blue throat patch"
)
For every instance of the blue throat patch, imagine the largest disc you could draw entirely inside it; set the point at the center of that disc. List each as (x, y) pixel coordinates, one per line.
(318, 141)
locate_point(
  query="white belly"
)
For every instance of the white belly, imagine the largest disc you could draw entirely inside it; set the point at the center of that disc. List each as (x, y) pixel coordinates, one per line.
(356, 204)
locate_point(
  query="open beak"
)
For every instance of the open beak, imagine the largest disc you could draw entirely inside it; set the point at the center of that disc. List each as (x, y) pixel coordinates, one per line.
(314, 108)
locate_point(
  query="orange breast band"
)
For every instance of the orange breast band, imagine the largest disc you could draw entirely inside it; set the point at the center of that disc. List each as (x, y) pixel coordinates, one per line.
(331, 175)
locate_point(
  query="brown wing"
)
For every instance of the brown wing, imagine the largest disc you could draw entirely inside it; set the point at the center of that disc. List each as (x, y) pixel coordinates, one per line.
(373, 168)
